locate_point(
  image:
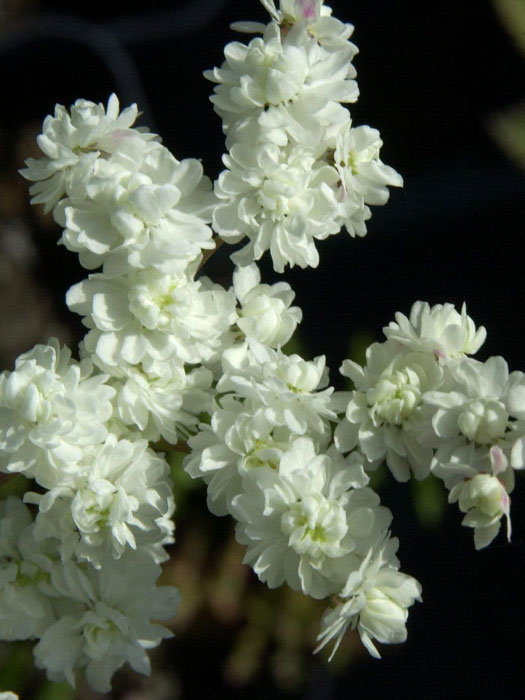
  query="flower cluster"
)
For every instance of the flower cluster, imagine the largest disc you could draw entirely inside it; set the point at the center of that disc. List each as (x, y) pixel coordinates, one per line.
(303, 510)
(129, 207)
(156, 333)
(85, 618)
(172, 360)
(297, 169)
(104, 505)
(422, 405)
(80, 430)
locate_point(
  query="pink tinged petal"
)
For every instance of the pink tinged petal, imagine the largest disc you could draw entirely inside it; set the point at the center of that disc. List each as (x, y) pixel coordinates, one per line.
(308, 9)
(498, 460)
(505, 506)
(505, 502)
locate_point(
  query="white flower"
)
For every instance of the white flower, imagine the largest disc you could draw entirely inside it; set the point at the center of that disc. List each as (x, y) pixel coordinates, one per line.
(478, 429)
(149, 210)
(67, 139)
(282, 199)
(485, 501)
(364, 177)
(384, 415)
(162, 399)
(287, 390)
(282, 85)
(265, 312)
(128, 200)
(330, 32)
(236, 443)
(440, 328)
(107, 621)
(480, 477)
(292, 11)
(264, 72)
(311, 16)
(479, 403)
(25, 610)
(121, 498)
(51, 409)
(149, 315)
(298, 521)
(375, 599)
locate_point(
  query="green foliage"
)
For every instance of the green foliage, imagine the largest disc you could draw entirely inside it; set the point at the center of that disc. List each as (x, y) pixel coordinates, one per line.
(56, 691)
(15, 660)
(429, 501)
(512, 14)
(508, 128)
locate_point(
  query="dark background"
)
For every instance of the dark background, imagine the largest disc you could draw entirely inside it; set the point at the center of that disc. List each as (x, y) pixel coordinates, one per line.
(431, 76)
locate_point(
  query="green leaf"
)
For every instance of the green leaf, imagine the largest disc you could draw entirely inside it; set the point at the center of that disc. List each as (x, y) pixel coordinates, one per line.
(56, 691)
(429, 501)
(508, 130)
(512, 14)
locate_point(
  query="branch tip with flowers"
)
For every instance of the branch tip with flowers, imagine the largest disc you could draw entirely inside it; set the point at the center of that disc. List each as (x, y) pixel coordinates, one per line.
(172, 361)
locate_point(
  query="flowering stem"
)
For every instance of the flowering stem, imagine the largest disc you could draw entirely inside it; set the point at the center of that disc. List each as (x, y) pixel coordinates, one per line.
(165, 446)
(12, 484)
(207, 255)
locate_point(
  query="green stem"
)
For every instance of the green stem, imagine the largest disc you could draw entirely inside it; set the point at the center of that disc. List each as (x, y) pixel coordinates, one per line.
(13, 484)
(207, 255)
(4, 478)
(165, 446)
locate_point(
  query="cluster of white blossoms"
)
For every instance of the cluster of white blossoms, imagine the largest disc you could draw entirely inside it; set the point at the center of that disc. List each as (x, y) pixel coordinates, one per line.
(297, 169)
(104, 508)
(422, 405)
(173, 361)
(303, 510)
(85, 618)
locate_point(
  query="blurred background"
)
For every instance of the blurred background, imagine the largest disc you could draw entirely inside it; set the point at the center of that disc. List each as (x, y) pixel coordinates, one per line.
(445, 84)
